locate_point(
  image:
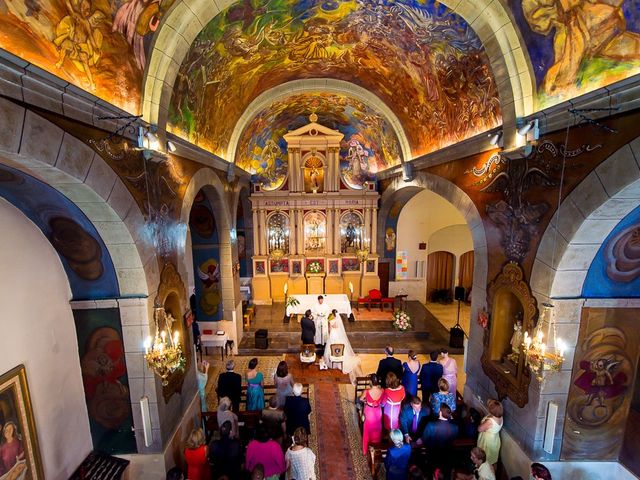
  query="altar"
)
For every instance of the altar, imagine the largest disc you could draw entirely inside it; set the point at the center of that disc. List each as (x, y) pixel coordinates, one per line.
(339, 302)
(315, 228)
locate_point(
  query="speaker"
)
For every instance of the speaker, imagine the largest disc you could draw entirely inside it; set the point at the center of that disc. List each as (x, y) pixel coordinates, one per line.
(262, 339)
(456, 337)
(459, 293)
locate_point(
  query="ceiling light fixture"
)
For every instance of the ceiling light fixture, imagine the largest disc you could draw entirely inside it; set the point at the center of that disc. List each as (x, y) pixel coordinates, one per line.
(527, 127)
(496, 138)
(171, 147)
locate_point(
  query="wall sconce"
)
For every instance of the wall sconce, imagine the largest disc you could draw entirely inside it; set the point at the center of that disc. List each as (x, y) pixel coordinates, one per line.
(531, 126)
(149, 144)
(407, 172)
(497, 138)
(171, 147)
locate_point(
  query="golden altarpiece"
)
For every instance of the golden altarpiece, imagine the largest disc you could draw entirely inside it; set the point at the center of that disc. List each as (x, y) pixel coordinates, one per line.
(315, 234)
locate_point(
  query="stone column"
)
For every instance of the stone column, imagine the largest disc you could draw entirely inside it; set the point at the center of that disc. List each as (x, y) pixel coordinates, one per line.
(256, 233)
(374, 230)
(294, 169)
(300, 232)
(367, 228)
(263, 232)
(330, 230)
(336, 232)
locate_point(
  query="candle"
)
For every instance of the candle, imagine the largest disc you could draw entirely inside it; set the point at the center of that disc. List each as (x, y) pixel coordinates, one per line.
(543, 349)
(147, 345)
(163, 334)
(539, 336)
(175, 338)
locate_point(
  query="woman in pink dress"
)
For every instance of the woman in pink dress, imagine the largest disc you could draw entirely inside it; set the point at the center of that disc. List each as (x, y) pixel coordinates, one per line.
(372, 428)
(392, 401)
(449, 371)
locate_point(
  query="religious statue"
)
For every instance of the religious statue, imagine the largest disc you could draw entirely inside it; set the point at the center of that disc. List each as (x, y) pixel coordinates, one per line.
(350, 234)
(516, 341)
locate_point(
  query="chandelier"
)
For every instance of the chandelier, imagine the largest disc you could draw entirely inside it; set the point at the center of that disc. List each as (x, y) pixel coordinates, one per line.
(541, 356)
(362, 254)
(163, 353)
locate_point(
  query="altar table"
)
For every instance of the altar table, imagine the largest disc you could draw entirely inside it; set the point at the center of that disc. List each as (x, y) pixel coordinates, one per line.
(213, 340)
(338, 301)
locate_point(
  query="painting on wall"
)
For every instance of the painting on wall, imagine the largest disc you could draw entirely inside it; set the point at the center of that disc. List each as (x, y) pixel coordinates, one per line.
(371, 266)
(279, 266)
(350, 265)
(615, 270)
(418, 57)
(604, 366)
(98, 46)
(20, 451)
(369, 145)
(296, 267)
(260, 267)
(577, 47)
(334, 267)
(105, 380)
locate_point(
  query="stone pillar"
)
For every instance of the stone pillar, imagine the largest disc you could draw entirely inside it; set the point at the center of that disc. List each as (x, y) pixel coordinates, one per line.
(256, 232)
(367, 228)
(336, 232)
(374, 230)
(300, 232)
(263, 232)
(330, 230)
(294, 170)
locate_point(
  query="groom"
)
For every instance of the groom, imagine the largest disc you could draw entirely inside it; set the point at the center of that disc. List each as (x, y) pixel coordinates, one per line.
(308, 328)
(320, 314)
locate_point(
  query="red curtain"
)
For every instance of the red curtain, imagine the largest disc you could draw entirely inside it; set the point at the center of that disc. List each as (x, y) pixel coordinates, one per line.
(439, 272)
(465, 272)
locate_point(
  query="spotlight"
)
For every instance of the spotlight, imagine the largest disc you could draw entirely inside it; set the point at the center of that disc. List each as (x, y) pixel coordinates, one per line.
(496, 138)
(171, 146)
(149, 143)
(526, 128)
(407, 172)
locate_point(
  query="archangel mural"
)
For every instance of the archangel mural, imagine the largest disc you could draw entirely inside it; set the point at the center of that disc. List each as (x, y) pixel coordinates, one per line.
(370, 144)
(422, 60)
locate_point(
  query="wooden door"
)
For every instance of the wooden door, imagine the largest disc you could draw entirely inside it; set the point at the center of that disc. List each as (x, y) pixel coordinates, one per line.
(383, 273)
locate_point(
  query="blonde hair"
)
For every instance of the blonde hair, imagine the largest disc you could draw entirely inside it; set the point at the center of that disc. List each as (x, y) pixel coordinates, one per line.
(196, 439)
(300, 437)
(224, 404)
(443, 385)
(495, 408)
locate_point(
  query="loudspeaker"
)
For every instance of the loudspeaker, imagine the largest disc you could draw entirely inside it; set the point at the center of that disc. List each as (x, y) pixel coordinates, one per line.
(459, 293)
(456, 337)
(262, 339)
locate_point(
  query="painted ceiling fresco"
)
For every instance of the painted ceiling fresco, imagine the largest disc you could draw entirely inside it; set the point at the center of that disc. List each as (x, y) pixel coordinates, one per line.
(98, 45)
(576, 47)
(422, 60)
(369, 145)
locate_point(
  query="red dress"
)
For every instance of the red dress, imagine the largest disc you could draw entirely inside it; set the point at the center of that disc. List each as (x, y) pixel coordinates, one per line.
(197, 463)
(372, 428)
(391, 402)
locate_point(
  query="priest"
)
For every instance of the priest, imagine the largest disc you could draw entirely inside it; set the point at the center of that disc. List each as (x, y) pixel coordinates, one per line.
(320, 313)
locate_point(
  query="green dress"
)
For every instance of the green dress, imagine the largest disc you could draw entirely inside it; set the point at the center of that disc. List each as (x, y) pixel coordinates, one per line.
(255, 393)
(489, 441)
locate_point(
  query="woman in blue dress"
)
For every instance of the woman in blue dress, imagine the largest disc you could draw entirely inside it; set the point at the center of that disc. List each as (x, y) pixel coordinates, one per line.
(411, 370)
(396, 462)
(255, 382)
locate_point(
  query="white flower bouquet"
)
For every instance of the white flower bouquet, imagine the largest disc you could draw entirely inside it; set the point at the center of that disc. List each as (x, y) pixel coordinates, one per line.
(314, 267)
(401, 320)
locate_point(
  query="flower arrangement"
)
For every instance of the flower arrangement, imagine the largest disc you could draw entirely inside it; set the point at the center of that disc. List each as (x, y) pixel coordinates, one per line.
(314, 267)
(401, 320)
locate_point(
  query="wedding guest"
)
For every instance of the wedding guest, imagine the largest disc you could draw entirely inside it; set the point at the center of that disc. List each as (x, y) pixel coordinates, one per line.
(297, 410)
(202, 375)
(283, 381)
(196, 456)
(438, 436)
(489, 437)
(255, 387)
(300, 458)
(225, 414)
(372, 428)
(308, 327)
(273, 419)
(388, 364)
(391, 402)
(449, 370)
(396, 462)
(482, 469)
(258, 472)
(174, 473)
(540, 472)
(430, 373)
(413, 419)
(225, 455)
(267, 452)
(411, 370)
(443, 396)
(230, 385)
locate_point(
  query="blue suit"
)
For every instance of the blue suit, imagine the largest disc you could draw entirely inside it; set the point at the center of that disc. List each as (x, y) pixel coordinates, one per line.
(430, 373)
(406, 421)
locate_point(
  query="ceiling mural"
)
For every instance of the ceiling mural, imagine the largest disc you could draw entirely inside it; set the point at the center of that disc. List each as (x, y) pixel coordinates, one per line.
(369, 145)
(576, 47)
(422, 60)
(98, 45)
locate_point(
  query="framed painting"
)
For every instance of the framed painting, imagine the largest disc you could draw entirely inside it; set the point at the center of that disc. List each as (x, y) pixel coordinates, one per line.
(334, 266)
(350, 265)
(260, 267)
(296, 267)
(371, 266)
(279, 266)
(16, 418)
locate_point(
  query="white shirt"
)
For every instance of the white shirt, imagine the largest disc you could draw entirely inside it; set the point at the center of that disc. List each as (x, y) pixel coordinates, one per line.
(302, 463)
(485, 472)
(320, 311)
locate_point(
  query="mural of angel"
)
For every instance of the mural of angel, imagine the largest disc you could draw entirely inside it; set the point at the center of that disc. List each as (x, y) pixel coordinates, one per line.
(357, 158)
(210, 275)
(601, 381)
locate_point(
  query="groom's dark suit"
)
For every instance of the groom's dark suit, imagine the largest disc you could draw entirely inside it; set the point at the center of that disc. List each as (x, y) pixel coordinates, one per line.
(308, 330)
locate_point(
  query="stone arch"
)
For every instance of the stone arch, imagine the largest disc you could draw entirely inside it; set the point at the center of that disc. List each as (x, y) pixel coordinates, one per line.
(206, 180)
(401, 190)
(311, 85)
(488, 18)
(583, 221)
(44, 151)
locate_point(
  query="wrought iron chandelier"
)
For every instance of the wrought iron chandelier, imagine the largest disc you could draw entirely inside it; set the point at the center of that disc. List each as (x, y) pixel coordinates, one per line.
(540, 356)
(163, 353)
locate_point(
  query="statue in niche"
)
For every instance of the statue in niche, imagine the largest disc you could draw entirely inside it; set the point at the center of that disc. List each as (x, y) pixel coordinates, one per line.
(516, 341)
(350, 235)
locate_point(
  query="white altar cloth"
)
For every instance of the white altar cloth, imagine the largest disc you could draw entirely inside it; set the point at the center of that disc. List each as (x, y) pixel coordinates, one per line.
(339, 301)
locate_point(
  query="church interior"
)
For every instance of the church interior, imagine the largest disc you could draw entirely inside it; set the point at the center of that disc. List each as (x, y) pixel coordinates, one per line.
(188, 176)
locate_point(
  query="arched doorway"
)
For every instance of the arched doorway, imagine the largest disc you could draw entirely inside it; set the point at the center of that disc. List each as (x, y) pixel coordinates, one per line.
(440, 267)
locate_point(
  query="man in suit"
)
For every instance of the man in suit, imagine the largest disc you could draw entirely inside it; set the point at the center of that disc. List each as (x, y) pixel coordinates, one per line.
(413, 418)
(308, 328)
(429, 375)
(438, 436)
(230, 385)
(297, 410)
(388, 364)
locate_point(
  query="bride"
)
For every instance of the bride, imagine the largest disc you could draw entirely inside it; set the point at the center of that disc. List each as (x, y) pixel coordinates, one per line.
(338, 335)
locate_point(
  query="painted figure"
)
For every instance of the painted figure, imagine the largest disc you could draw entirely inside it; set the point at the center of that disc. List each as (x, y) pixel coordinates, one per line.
(390, 239)
(517, 338)
(582, 30)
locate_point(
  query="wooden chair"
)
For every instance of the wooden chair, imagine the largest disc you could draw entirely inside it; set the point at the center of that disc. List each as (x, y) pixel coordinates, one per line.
(388, 302)
(336, 354)
(375, 298)
(307, 354)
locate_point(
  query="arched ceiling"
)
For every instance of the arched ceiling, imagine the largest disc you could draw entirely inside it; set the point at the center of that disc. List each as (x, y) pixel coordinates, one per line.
(421, 59)
(369, 139)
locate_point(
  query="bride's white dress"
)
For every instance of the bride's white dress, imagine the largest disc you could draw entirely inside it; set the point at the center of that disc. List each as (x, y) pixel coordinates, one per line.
(337, 334)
